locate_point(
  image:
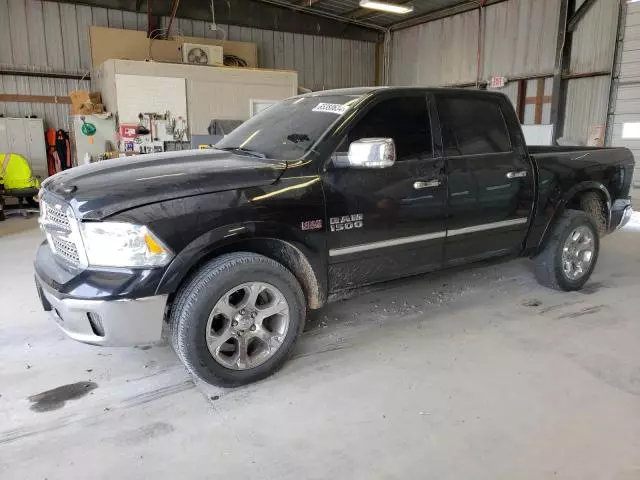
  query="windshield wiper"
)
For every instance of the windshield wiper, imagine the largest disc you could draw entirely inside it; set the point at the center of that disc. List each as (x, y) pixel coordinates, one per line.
(253, 153)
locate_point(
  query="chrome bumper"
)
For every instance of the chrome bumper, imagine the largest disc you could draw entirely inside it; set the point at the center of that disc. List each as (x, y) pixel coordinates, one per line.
(621, 212)
(116, 323)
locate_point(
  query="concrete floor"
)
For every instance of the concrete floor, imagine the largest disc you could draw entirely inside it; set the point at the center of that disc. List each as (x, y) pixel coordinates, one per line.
(479, 373)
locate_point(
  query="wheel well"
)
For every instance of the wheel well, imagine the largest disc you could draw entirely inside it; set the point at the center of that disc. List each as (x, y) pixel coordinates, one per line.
(282, 252)
(575, 203)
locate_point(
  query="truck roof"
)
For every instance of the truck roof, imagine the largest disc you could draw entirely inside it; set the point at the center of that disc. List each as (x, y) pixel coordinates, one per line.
(369, 90)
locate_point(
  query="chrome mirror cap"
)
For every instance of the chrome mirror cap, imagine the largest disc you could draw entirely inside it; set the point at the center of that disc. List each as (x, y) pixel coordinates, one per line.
(372, 153)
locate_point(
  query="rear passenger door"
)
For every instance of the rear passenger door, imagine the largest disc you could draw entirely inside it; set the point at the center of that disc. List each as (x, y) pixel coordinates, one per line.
(490, 189)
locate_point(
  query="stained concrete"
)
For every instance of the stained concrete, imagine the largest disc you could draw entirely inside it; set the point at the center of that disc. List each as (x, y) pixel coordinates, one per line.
(478, 373)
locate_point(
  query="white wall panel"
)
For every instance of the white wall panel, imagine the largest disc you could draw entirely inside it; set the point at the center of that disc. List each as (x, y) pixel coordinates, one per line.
(140, 93)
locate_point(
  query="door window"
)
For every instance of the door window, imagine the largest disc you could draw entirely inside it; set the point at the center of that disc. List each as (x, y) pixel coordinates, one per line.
(405, 120)
(472, 126)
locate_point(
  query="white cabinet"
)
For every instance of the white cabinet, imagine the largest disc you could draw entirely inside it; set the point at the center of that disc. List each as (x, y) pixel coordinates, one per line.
(25, 136)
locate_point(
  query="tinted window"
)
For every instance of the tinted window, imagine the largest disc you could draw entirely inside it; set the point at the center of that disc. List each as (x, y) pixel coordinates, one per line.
(288, 129)
(472, 126)
(405, 119)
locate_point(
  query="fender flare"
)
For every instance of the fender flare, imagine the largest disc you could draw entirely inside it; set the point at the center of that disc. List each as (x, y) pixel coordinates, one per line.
(561, 205)
(585, 186)
(224, 237)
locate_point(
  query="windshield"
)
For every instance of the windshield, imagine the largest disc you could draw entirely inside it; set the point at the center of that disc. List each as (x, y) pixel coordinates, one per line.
(288, 129)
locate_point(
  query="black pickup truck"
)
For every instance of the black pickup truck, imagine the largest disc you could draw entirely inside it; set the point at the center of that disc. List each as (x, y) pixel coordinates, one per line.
(228, 248)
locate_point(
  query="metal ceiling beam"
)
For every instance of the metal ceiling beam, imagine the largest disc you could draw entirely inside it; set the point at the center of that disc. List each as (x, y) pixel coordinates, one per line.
(307, 3)
(266, 14)
(562, 62)
(463, 7)
(580, 13)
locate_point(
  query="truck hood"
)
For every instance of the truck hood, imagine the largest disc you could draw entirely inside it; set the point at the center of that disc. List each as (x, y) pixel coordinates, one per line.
(102, 189)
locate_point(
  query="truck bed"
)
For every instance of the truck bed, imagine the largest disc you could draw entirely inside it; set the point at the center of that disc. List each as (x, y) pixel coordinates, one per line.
(538, 149)
(582, 157)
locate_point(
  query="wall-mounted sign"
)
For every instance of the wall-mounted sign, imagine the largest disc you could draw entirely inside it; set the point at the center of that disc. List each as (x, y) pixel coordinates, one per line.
(497, 82)
(128, 130)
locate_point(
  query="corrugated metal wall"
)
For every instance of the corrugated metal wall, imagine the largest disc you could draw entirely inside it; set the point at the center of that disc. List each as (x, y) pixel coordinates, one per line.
(54, 37)
(587, 103)
(519, 40)
(626, 109)
(594, 38)
(592, 50)
(437, 53)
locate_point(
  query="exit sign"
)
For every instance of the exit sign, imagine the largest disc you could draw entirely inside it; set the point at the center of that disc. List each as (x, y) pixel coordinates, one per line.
(497, 82)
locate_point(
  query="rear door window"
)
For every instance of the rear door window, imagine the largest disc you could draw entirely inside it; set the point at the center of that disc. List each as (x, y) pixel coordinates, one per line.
(472, 126)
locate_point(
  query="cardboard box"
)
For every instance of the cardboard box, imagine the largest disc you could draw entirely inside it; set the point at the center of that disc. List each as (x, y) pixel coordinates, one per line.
(87, 109)
(85, 103)
(81, 97)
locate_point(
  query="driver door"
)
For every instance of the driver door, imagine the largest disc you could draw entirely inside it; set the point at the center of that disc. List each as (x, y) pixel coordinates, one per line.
(386, 223)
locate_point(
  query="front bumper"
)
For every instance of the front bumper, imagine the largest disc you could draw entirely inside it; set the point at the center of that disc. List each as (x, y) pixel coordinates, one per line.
(621, 212)
(118, 323)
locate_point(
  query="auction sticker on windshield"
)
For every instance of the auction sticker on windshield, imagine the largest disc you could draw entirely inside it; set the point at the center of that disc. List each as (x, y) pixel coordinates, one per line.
(331, 108)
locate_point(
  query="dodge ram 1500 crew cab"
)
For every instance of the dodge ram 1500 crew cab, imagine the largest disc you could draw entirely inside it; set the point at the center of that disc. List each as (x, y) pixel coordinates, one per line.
(320, 193)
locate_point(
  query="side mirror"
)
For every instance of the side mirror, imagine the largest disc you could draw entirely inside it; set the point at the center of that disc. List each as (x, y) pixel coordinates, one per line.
(372, 153)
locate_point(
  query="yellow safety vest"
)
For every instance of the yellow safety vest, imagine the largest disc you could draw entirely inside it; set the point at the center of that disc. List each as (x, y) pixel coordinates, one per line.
(15, 172)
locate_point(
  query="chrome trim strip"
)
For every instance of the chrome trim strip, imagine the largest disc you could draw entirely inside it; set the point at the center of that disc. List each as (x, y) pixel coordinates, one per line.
(486, 226)
(428, 236)
(385, 243)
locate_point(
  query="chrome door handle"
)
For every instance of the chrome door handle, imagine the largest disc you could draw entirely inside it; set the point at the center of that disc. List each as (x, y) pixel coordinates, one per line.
(520, 174)
(429, 184)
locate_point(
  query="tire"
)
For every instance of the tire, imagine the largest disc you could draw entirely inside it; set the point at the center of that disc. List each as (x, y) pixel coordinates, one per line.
(549, 269)
(32, 202)
(596, 210)
(194, 303)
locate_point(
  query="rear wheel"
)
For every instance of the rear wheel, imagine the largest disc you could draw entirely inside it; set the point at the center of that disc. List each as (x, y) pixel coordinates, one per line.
(593, 205)
(568, 259)
(236, 321)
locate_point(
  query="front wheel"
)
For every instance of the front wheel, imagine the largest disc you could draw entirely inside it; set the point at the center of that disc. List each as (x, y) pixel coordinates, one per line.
(568, 259)
(237, 320)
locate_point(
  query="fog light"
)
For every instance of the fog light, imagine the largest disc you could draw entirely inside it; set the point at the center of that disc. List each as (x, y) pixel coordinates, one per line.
(96, 324)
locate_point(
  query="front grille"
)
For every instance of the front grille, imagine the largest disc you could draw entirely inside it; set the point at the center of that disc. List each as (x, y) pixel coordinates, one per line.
(61, 230)
(57, 217)
(66, 249)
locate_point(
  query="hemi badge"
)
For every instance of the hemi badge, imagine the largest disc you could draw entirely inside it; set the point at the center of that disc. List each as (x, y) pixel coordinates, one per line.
(311, 225)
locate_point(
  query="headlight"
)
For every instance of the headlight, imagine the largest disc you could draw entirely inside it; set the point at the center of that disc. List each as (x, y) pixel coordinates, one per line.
(115, 244)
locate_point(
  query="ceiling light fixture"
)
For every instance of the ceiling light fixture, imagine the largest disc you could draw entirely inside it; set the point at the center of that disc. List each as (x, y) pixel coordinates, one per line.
(386, 7)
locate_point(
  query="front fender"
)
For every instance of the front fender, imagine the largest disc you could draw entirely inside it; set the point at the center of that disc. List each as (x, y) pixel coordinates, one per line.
(223, 238)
